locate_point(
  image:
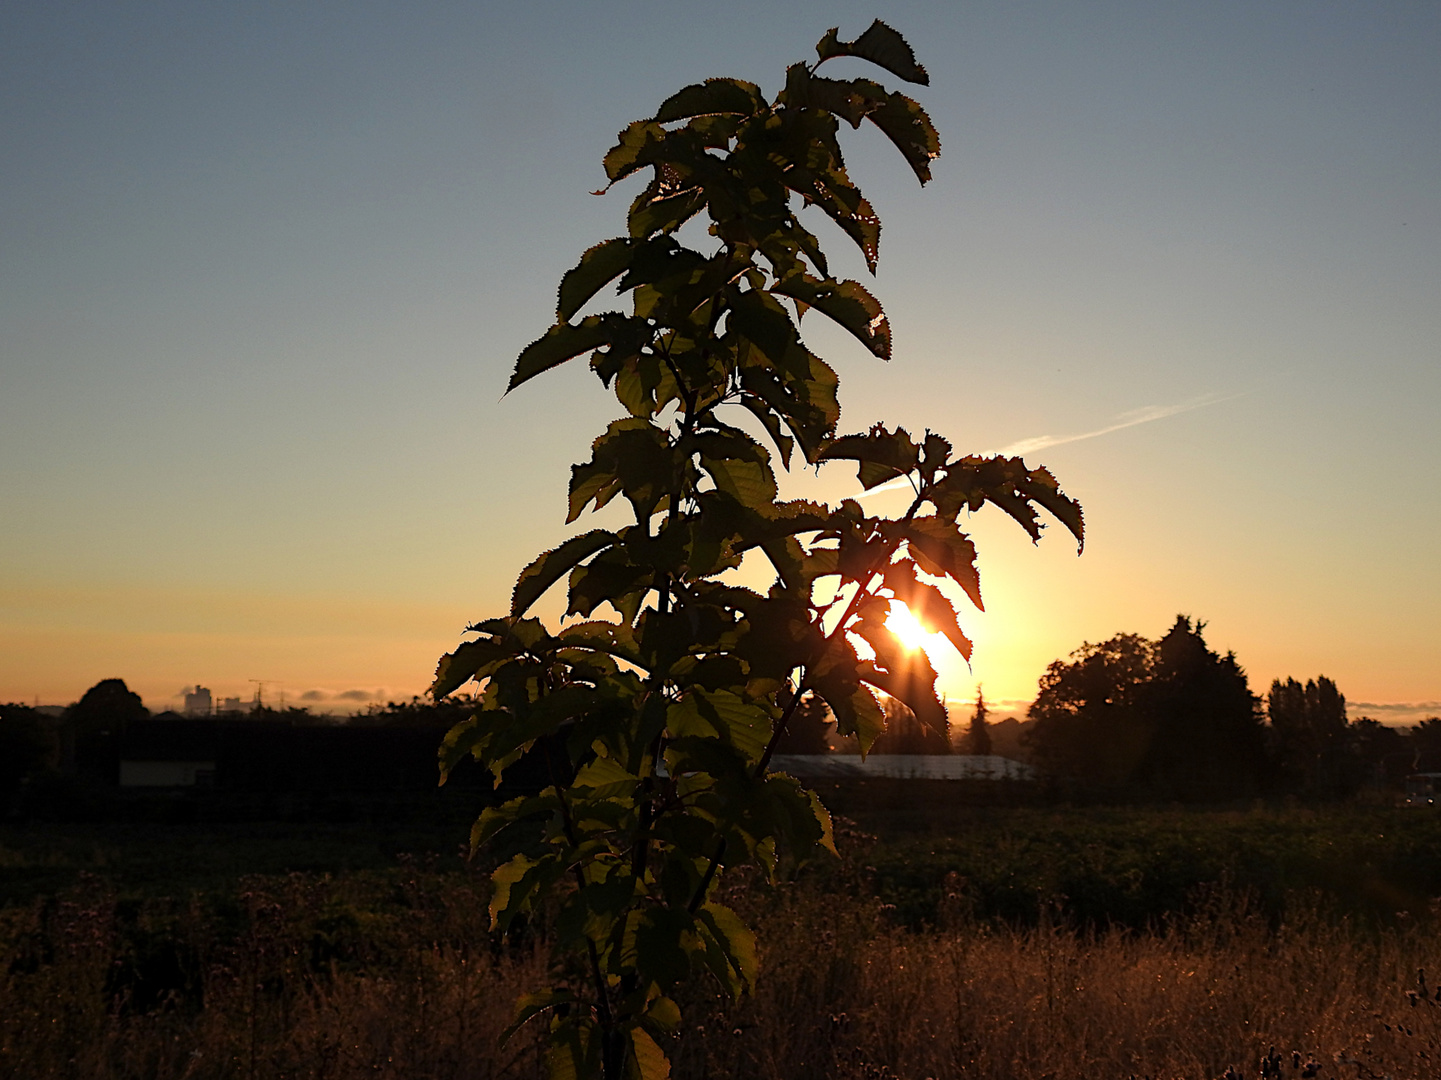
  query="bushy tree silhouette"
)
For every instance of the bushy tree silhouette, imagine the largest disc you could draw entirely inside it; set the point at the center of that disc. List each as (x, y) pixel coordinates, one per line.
(94, 725)
(1164, 719)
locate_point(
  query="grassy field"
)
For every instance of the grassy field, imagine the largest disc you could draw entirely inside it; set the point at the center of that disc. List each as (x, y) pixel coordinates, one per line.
(1018, 943)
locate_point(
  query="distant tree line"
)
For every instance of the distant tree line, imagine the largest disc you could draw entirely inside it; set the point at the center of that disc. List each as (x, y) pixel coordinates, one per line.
(1172, 719)
(56, 757)
(1125, 719)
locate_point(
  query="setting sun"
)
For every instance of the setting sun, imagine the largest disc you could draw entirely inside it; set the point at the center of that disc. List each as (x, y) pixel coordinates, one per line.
(910, 630)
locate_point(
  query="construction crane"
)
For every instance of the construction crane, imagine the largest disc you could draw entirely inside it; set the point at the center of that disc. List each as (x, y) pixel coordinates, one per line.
(260, 685)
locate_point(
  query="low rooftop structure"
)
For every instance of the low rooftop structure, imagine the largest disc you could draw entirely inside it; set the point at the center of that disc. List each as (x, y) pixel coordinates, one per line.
(904, 766)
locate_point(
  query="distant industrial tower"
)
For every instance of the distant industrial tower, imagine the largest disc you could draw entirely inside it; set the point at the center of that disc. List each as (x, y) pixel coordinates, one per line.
(197, 701)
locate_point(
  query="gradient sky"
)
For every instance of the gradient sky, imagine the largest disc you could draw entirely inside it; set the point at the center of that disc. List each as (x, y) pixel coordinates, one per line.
(264, 269)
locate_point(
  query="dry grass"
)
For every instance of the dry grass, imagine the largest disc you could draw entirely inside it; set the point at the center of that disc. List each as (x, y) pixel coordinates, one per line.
(305, 977)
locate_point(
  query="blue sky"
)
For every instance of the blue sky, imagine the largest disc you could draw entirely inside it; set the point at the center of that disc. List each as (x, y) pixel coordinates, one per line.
(264, 269)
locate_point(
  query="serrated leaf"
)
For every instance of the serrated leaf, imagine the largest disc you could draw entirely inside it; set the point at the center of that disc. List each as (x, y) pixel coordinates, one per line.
(823, 819)
(839, 199)
(714, 96)
(881, 45)
(599, 266)
(503, 881)
(633, 457)
(652, 214)
(750, 483)
(663, 1013)
(459, 741)
(849, 304)
(623, 158)
(554, 564)
(608, 578)
(470, 660)
(909, 127)
(561, 342)
(720, 713)
(494, 818)
(1041, 486)
(912, 682)
(940, 548)
(927, 603)
(772, 423)
(883, 455)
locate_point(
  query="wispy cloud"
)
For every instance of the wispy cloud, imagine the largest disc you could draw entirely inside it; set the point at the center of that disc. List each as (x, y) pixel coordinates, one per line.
(1145, 415)
(1394, 712)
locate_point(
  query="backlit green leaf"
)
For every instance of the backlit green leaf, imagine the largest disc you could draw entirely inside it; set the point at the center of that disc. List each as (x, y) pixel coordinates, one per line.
(941, 549)
(735, 938)
(554, 564)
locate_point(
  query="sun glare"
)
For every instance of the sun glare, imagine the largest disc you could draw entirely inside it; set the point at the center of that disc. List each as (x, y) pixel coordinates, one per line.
(907, 627)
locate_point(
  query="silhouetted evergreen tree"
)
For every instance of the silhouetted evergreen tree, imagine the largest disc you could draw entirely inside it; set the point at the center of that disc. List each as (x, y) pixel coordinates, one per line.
(1161, 719)
(978, 739)
(1208, 740)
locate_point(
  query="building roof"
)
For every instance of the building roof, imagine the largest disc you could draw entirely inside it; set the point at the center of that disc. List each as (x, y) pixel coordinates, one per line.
(904, 766)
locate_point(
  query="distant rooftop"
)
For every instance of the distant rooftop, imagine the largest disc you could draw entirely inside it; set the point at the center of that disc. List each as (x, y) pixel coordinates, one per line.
(904, 766)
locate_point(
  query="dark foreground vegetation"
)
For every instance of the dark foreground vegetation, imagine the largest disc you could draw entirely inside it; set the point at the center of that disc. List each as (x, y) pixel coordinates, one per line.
(948, 941)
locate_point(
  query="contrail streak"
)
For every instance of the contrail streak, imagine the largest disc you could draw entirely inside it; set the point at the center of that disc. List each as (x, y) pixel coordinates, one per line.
(1144, 415)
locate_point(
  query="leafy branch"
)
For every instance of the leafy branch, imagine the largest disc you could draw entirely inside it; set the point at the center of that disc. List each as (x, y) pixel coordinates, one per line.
(659, 722)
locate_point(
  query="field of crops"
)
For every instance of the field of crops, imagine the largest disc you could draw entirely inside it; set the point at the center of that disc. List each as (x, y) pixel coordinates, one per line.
(949, 940)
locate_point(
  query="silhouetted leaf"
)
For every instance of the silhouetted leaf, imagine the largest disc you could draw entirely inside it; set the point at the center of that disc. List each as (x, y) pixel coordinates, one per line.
(909, 126)
(623, 158)
(470, 660)
(561, 342)
(880, 45)
(940, 548)
(554, 564)
(850, 304)
(711, 97)
(927, 603)
(598, 266)
(883, 455)
(1041, 486)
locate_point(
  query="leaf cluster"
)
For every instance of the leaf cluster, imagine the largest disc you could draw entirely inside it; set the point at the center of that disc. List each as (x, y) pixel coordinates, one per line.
(658, 705)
